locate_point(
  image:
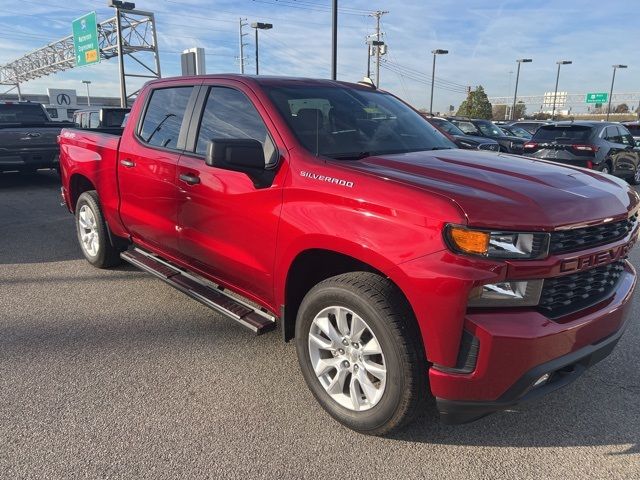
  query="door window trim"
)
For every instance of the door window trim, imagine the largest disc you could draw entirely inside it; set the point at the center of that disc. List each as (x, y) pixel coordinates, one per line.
(186, 119)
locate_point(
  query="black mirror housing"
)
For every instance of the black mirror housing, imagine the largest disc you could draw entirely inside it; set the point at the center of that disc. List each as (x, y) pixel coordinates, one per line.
(239, 154)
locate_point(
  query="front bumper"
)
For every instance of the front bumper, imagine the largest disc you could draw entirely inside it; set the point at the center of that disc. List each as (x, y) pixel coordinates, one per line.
(517, 348)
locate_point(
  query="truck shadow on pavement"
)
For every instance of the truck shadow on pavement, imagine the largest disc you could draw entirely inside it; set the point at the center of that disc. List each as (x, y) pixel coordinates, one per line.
(590, 412)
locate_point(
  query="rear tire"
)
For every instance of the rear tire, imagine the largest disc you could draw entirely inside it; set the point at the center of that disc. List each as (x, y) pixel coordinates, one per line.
(606, 168)
(371, 403)
(92, 232)
(635, 179)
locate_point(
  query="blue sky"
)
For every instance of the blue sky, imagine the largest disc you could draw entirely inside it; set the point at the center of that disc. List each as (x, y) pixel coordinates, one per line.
(484, 39)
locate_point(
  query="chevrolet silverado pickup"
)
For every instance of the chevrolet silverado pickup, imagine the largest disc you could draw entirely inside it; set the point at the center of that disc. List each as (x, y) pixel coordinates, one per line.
(402, 268)
(28, 139)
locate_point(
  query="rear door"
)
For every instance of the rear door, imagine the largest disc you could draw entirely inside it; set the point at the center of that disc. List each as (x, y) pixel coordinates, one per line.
(228, 225)
(148, 161)
(623, 152)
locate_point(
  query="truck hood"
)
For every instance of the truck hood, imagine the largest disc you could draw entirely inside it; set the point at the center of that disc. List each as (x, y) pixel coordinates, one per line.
(508, 192)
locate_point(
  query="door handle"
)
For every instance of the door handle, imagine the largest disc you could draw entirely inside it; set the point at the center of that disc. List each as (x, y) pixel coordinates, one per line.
(127, 163)
(190, 178)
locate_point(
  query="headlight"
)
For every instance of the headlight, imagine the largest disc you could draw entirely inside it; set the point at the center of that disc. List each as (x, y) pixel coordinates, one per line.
(498, 245)
(466, 144)
(507, 294)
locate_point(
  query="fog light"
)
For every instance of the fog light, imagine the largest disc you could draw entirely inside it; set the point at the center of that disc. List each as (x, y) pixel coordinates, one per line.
(507, 294)
(542, 380)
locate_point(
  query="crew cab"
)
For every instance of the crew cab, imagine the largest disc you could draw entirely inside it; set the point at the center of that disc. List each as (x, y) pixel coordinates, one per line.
(28, 138)
(402, 268)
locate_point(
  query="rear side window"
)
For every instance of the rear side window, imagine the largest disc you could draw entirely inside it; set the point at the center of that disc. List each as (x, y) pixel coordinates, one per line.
(562, 133)
(612, 134)
(94, 120)
(163, 118)
(230, 114)
(625, 136)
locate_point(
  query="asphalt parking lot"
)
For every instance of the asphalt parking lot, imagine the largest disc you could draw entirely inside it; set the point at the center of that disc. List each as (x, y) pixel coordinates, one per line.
(113, 374)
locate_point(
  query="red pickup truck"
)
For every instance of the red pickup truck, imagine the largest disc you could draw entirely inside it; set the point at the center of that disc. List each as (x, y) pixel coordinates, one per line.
(402, 267)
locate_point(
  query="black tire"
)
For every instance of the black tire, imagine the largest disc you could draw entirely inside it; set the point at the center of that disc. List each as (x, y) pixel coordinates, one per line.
(635, 178)
(107, 255)
(605, 167)
(390, 318)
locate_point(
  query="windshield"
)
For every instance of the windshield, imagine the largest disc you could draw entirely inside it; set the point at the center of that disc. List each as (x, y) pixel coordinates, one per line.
(447, 126)
(518, 132)
(490, 129)
(352, 123)
(20, 113)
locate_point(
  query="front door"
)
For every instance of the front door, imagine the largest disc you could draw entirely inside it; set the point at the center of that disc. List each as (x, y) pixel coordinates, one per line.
(147, 169)
(228, 226)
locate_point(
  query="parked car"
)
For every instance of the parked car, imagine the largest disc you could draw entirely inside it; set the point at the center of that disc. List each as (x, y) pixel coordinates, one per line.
(515, 131)
(634, 129)
(604, 146)
(336, 212)
(530, 126)
(28, 138)
(487, 129)
(101, 118)
(458, 137)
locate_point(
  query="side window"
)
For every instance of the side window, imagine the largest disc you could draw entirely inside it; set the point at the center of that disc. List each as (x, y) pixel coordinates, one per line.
(625, 137)
(228, 113)
(611, 134)
(163, 118)
(94, 120)
(84, 122)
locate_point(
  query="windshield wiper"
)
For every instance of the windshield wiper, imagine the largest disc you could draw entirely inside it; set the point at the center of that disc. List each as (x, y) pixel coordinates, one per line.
(442, 148)
(351, 156)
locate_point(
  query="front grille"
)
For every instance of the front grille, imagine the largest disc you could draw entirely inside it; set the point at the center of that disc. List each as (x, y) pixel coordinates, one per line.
(587, 237)
(571, 293)
(494, 147)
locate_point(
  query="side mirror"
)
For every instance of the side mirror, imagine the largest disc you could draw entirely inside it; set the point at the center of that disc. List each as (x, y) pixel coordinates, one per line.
(242, 155)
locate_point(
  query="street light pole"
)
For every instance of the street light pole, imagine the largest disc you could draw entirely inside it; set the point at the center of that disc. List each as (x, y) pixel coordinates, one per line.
(259, 26)
(433, 75)
(334, 40)
(555, 93)
(615, 67)
(87, 83)
(515, 93)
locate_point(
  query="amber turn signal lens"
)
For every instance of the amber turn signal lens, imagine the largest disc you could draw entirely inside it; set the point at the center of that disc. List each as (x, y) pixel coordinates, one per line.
(470, 241)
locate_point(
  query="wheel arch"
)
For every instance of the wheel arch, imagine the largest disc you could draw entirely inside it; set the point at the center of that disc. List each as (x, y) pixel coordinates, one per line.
(313, 265)
(78, 184)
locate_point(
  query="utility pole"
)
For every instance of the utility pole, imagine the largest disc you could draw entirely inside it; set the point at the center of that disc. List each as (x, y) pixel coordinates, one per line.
(243, 23)
(334, 40)
(378, 15)
(123, 85)
(613, 80)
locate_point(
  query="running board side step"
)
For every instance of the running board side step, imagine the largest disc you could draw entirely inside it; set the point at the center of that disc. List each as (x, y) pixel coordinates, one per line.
(201, 290)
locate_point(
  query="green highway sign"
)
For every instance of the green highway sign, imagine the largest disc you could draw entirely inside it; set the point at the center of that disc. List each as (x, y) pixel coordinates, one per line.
(597, 98)
(85, 39)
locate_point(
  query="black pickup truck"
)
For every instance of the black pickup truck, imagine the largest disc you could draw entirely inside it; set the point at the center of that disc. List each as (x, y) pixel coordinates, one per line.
(28, 138)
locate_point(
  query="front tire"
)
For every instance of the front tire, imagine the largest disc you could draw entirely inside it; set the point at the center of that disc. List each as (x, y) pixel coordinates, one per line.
(360, 352)
(92, 232)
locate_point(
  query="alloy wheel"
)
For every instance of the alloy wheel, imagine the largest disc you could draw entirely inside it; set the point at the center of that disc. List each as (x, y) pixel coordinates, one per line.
(347, 358)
